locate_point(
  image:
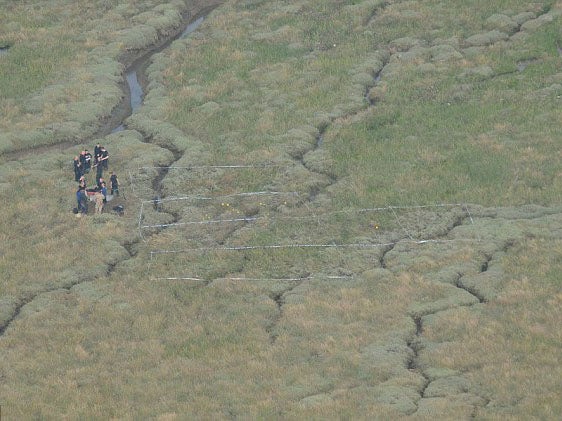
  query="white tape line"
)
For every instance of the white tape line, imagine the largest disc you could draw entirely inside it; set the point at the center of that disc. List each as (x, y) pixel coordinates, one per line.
(289, 246)
(216, 221)
(190, 278)
(246, 194)
(202, 167)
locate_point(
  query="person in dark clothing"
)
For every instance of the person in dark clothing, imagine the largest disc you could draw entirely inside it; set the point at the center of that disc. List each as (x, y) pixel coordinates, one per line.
(87, 161)
(78, 198)
(114, 184)
(82, 200)
(104, 191)
(99, 183)
(99, 170)
(97, 155)
(82, 182)
(83, 161)
(77, 169)
(104, 157)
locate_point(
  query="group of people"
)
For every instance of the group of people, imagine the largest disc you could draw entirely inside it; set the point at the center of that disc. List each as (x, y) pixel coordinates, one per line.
(83, 164)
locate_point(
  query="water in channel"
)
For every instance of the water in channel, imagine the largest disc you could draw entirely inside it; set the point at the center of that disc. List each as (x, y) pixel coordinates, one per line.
(135, 88)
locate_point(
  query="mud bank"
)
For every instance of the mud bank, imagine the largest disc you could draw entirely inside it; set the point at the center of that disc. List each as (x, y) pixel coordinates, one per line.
(135, 90)
(134, 82)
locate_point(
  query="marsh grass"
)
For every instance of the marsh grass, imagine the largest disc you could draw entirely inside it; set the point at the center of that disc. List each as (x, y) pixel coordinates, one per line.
(461, 166)
(442, 160)
(440, 134)
(41, 200)
(224, 179)
(262, 82)
(28, 69)
(526, 310)
(63, 73)
(329, 246)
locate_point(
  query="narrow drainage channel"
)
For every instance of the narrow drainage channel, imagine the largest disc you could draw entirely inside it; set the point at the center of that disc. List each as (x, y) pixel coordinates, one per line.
(67, 287)
(135, 77)
(136, 95)
(135, 92)
(413, 363)
(279, 300)
(459, 284)
(132, 86)
(387, 249)
(415, 342)
(319, 141)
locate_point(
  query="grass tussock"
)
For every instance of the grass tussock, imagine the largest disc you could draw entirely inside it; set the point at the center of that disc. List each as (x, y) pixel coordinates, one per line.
(517, 375)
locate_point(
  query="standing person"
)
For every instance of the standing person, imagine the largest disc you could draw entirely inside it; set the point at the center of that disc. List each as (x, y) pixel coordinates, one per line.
(78, 199)
(104, 157)
(114, 184)
(99, 171)
(99, 199)
(87, 161)
(82, 182)
(97, 155)
(104, 191)
(82, 200)
(84, 161)
(77, 169)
